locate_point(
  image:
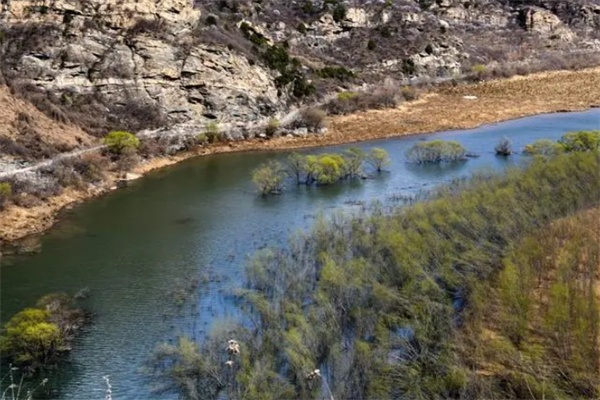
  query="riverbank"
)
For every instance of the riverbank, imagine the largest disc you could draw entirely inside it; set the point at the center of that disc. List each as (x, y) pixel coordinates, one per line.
(445, 109)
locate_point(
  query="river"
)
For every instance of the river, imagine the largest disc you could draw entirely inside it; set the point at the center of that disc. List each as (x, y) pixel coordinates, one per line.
(202, 218)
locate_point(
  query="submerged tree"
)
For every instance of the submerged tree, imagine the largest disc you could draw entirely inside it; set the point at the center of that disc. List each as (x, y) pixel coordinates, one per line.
(504, 147)
(544, 147)
(436, 151)
(353, 162)
(378, 158)
(269, 178)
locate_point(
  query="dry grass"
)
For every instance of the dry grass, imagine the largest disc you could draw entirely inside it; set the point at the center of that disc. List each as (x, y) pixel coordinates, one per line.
(496, 101)
(51, 133)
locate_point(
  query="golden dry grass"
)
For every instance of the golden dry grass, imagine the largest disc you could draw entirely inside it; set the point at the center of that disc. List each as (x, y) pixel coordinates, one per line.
(52, 132)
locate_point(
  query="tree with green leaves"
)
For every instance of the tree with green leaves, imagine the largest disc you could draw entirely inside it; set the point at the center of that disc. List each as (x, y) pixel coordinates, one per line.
(268, 178)
(544, 148)
(120, 142)
(5, 193)
(30, 339)
(580, 141)
(436, 151)
(378, 158)
(353, 162)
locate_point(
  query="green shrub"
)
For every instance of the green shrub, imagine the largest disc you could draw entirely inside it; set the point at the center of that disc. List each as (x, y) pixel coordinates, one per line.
(339, 73)
(29, 338)
(211, 20)
(339, 12)
(479, 70)
(346, 96)
(543, 147)
(327, 168)
(272, 127)
(378, 158)
(353, 162)
(268, 178)
(119, 141)
(5, 193)
(580, 141)
(436, 151)
(213, 132)
(302, 28)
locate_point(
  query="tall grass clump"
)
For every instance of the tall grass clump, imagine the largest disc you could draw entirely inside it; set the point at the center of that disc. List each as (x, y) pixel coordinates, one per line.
(436, 151)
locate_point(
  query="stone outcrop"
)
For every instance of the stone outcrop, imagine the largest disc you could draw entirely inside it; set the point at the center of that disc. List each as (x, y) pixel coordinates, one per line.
(539, 20)
(153, 52)
(142, 52)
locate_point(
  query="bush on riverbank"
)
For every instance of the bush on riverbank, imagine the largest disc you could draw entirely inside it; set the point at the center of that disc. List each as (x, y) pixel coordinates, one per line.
(580, 141)
(385, 96)
(387, 304)
(119, 142)
(5, 193)
(569, 142)
(436, 151)
(36, 337)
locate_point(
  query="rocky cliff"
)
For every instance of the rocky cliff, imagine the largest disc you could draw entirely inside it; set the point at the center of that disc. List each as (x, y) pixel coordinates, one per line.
(144, 64)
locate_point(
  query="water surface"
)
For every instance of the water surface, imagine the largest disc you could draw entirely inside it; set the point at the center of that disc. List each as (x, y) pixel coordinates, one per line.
(203, 218)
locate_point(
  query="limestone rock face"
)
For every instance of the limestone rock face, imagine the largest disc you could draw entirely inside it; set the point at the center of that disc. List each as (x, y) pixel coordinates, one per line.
(185, 79)
(545, 22)
(116, 13)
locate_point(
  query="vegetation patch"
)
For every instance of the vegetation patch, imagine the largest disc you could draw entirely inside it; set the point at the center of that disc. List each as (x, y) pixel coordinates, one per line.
(380, 305)
(36, 338)
(436, 151)
(320, 170)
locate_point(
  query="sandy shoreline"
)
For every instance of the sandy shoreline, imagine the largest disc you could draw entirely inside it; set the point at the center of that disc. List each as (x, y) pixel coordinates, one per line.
(445, 109)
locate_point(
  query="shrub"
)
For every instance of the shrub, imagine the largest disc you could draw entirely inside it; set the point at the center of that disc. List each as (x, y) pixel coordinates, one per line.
(378, 158)
(346, 96)
(268, 178)
(211, 20)
(29, 338)
(35, 337)
(504, 147)
(580, 141)
(327, 168)
(544, 147)
(371, 45)
(5, 193)
(302, 28)
(479, 70)
(436, 151)
(151, 27)
(119, 141)
(311, 118)
(339, 73)
(409, 93)
(65, 174)
(213, 132)
(128, 159)
(272, 127)
(339, 12)
(353, 162)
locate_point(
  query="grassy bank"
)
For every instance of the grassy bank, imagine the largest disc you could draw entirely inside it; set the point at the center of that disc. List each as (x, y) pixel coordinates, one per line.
(398, 304)
(445, 108)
